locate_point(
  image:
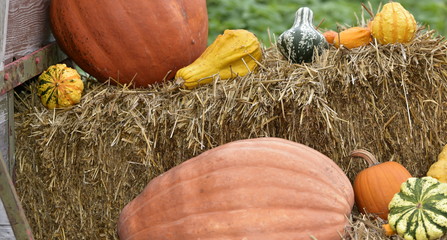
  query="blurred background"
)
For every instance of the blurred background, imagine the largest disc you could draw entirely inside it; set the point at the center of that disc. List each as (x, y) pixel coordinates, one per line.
(276, 16)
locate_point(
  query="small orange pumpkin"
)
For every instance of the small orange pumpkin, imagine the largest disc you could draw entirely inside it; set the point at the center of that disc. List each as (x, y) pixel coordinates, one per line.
(375, 186)
(353, 37)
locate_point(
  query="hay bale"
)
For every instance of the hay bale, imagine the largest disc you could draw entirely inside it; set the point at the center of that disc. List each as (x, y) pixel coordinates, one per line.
(77, 168)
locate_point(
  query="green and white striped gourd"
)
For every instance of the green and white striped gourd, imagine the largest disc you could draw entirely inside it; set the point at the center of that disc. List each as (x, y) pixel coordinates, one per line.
(299, 42)
(419, 210)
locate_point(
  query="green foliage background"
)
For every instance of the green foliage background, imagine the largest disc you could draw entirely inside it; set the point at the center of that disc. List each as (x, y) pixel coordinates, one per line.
(276, 16)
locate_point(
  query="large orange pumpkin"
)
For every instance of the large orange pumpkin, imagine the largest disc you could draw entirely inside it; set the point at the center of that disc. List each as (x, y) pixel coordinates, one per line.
(135, 41)
(264, 188)
(375, 186)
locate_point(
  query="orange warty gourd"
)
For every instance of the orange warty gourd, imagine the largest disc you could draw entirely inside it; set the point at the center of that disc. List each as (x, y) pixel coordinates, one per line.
(133, 41)
(263, 188)
(375, 186)
(353, 37)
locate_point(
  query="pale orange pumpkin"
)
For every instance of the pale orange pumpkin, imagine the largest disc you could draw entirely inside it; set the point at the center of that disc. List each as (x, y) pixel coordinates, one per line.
(263, 188)
(375, 186)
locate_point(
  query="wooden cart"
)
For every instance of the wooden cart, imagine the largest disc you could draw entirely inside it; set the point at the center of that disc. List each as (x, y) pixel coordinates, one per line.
(26, 49)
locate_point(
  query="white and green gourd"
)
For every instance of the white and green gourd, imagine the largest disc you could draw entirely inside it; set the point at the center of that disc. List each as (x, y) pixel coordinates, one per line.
(298, 44)
(419, 210)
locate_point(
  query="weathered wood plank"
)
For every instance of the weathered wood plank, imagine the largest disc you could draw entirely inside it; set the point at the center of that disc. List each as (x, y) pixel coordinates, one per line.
(5, 102)
(6, 231)
(4, 129)
(29, 66)
(28, 28)
(4, 9)
(13, 206)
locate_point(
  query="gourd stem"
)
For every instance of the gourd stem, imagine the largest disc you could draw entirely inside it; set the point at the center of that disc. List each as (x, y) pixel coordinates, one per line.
(369, 157)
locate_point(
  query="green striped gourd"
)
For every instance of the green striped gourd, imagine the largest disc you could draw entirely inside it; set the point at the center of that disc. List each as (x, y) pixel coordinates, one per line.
(419, 210)
(59, 86)
(299, 42)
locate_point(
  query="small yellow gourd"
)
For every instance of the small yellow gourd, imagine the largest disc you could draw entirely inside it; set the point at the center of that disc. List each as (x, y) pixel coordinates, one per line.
(393, 24)
(233, 53)
(438, 169)
(59, 87)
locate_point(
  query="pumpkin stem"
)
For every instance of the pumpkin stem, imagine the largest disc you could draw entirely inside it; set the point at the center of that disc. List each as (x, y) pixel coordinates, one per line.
(369, 157)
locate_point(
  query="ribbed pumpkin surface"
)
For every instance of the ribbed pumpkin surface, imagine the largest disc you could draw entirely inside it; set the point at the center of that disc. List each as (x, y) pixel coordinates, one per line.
(265, 188)
(131, 40)
(419, 210)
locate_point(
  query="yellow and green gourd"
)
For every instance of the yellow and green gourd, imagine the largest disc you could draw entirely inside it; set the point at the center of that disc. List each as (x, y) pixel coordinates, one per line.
(60, 86)
(419, 210)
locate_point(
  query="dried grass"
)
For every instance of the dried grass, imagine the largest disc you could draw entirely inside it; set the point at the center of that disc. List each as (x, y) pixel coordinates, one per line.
(77, 168)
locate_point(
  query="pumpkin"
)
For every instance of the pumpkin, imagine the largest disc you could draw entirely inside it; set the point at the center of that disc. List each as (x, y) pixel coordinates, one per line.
(233, 53)
(59, 86)
(353, 37)
(393, 24)
(262, 188)
(438, 169)
(132, 41)
(419, 210)
(298, 43)
(330, 36)
(375, 186)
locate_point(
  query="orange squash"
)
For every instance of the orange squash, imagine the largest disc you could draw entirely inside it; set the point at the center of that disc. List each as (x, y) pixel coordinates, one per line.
(375, 186)
(134, 42)
(353, 37)
(330, 36)
(263, 188)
